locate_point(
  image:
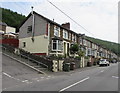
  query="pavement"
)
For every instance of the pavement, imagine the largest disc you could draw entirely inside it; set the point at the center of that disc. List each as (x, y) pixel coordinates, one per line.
(17, 77)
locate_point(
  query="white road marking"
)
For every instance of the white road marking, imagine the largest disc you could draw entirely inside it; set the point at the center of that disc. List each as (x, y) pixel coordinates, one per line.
(49, 76)
(42, 77)
(115, 77)
(102, 71)
(74, 84)
(38, 80)
(10, 76)
(7, 74)
(25, 81)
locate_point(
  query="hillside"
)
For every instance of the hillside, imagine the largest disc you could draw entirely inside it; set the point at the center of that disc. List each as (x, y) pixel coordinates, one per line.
(14, 19)
(107, 44)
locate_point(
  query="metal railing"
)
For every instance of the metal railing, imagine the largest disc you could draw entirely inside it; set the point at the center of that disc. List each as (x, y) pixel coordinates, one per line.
(26, 56)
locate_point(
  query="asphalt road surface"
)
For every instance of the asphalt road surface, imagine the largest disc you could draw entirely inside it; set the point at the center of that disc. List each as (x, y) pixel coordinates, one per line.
(17, 77)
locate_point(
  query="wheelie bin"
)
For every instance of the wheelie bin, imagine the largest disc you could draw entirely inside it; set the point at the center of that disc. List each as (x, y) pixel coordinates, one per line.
(66, 67)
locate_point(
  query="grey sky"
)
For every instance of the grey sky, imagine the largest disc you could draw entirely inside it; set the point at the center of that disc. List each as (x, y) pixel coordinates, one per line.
(99, 17)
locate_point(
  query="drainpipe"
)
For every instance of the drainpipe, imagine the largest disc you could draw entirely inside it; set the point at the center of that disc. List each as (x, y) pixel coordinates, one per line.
(33, 24)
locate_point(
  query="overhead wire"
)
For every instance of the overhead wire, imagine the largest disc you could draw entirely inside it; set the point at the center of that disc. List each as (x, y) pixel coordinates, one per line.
(70, 17)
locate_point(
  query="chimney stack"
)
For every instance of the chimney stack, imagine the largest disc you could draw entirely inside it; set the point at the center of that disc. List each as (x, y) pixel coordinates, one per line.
(66, 25)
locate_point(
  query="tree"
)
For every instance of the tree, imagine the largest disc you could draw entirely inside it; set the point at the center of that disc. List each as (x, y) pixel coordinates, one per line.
(81, 53)
(74, 48)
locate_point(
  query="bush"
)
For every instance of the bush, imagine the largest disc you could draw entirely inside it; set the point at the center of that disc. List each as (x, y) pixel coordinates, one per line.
(74, 48)
(78, 57)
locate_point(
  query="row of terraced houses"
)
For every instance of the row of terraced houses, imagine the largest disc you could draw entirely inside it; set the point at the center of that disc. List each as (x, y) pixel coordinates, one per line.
(42, 36)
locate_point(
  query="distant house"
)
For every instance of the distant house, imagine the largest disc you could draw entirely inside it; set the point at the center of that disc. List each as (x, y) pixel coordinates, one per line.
(4, 28)
(41, 36)
(8, 35)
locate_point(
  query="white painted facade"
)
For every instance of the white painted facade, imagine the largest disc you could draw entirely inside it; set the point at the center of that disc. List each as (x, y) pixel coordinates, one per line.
(10, 29)
(40, 44)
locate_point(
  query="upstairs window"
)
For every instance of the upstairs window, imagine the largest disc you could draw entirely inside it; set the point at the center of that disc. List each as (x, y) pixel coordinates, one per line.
(29, 29)
(80, 40)
(65, 34)
(89, 44)
(89, 51)
(57, 31)
(84, 42)
(69, 36)
(73, 37)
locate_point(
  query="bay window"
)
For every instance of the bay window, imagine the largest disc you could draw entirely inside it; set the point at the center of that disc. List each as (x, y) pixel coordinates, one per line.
(56, 45)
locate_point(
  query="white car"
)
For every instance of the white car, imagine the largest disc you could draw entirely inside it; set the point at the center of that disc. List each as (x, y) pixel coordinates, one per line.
(104, 62)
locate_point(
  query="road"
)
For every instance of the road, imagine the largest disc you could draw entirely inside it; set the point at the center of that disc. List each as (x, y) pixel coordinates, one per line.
(93, 79)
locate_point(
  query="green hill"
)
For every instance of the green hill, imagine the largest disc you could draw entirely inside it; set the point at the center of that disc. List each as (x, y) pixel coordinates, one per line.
(14, 19)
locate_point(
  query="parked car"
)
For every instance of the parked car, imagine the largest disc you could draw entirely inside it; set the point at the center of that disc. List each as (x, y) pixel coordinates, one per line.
(104, 62)
(114, 61)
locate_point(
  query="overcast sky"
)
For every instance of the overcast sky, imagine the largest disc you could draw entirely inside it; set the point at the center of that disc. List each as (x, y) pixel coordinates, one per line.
(99, 17)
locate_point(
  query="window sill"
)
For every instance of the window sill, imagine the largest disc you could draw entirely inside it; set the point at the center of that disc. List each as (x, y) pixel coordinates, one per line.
(57, 50)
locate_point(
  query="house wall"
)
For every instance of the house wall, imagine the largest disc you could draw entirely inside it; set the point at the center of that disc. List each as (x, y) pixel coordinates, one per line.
(40, 27)
(10, 29)
(41, 40)
(40, 44)
(2, 28)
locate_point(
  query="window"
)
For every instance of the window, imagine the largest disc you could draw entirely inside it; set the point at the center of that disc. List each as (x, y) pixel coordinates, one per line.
(89, 44)
(57, 31)
(59, 45)
(24, 44)
(80, 40)
(69, 36)
(65, 34)
(84, 42)
(89, 51)
(29, 29)
(73, 37)
(93, 46)
(56, 45)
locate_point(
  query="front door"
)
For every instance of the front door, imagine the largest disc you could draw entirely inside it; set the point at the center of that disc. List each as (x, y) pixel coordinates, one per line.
(68, 49)
(64, 48)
